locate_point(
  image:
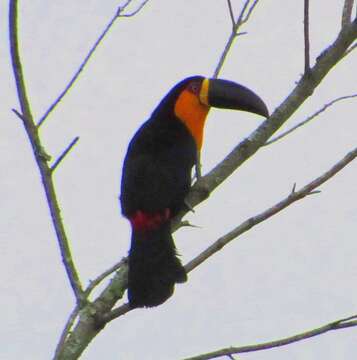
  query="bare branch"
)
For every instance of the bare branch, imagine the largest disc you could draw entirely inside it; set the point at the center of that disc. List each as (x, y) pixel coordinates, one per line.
(335, 325)
(92, 317)
(67, 328)
(291, 198)
(135, 11)
(105, 274)
(346, 12)
(311, 117)
(64, 153)
(231, 14)
(119, 311)
(235, 29)
(306, 37)
(304, 88)
(250, 10)
(40, 155)
(349, 50)
(118, 14)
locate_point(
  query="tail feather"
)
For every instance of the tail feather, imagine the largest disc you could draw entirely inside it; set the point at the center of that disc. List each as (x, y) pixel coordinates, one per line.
(154, 267)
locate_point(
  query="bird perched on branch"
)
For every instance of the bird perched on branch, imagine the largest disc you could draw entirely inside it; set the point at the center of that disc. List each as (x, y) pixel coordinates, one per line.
(157, 177)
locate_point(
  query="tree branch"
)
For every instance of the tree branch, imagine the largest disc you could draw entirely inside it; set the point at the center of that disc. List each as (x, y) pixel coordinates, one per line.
(281, 205)
(92, 317)
(135, 11)
(40, 155)
(88, 57)
(304, 88)
(346, 12)
(242, 18)
(64, 153)
(105, 274)
(308, 119)
(350, 49)
(335, 325)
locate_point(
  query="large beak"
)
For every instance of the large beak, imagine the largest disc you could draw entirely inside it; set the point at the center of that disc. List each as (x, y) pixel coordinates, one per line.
(230, 95)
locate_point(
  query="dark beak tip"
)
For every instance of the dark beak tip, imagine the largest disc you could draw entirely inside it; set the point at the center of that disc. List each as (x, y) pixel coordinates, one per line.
(264, 111)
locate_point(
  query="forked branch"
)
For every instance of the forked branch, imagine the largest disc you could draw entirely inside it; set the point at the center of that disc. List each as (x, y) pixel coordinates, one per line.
(236, 25)
(40, 155)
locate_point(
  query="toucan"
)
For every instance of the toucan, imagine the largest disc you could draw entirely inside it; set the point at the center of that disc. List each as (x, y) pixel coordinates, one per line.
(156, 178)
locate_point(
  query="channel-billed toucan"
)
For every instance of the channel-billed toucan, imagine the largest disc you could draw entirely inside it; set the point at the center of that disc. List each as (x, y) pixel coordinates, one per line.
(157, 177)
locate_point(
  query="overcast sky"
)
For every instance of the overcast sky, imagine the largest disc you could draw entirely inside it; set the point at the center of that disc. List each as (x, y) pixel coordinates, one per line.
(294, 272)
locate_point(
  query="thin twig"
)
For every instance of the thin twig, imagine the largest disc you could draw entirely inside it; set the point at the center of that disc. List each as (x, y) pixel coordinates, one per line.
(135, 11)
(308, 119)
(105, 274)
(306, 37)
(292, 197)
(64, 153)
(86, 59)
(346, 12)
(335, 325)
(40, 155)
(249, 12)
(242, 18)
(119, 311)
(231, 13)
(67, 328)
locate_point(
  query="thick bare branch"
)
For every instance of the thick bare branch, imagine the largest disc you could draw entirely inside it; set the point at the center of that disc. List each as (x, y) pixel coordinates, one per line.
(308, 119)
(350, 49)
(294, 196)
(40, 155)
(92, 317)
(335, 325)
(304, 88)
(347, 12)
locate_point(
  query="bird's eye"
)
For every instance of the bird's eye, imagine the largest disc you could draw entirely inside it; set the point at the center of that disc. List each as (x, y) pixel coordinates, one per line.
(194, 88)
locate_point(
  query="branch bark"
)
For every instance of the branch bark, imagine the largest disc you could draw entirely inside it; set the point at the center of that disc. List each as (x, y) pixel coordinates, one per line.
(347, 12)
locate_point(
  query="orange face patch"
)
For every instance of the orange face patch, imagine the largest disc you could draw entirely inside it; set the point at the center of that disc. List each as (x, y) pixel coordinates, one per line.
(192, 113)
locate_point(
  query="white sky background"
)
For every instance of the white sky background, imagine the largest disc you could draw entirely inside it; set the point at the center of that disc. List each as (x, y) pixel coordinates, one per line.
(294, 272)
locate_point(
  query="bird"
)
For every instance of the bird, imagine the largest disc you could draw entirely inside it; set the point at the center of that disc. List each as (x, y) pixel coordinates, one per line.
(156, 178)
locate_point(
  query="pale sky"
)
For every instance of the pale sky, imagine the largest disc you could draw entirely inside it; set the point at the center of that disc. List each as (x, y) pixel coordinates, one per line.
(294, 272)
